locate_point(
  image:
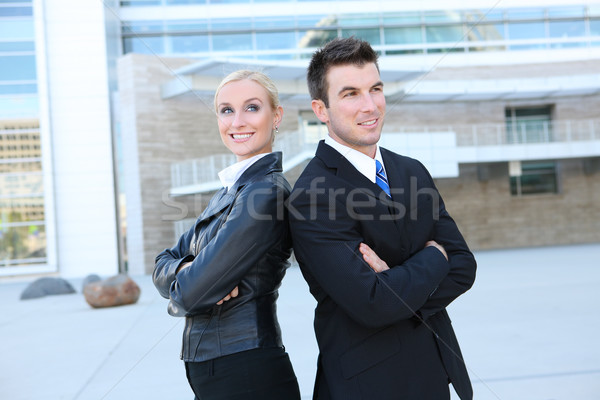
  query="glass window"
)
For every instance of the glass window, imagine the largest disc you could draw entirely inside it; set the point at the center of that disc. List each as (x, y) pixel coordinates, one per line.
(402, 18)
(485, 32)
(273, 22)
(595, 27)
(231, 24)
(594, 10)
(525, 13)
(142, 27)
(526, 30)
(19, 88)
(140, 3)
(529, 124)
(351, 20)
(228, 1)
(17, 68)
(175, 2)
(563, 29)
(21, 106)
(535, 178)
(442, 16)
(449, 33)
(17, 46)
(408, 35)
(22, 244)
(242, 41)
(309, 21)
(178, 26)
(144, 45)
(16, 11)
(14, 185)
(477, 16)
(564, 12)
(370, 35)
(189, 44)
(275, 40)
(567, 29)
(315, 38)
(15, 29)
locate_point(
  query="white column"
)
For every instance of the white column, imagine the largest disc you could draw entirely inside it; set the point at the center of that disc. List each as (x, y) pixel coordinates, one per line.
(80, 130)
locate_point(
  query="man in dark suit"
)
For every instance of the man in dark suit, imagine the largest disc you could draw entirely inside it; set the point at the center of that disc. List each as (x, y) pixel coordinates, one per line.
(378, 249)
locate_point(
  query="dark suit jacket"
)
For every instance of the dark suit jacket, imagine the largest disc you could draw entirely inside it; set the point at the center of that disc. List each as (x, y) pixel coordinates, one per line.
(381, 335)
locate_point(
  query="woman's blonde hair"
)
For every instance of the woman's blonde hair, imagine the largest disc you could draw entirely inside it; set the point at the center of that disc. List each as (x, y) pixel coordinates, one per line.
(256, 76)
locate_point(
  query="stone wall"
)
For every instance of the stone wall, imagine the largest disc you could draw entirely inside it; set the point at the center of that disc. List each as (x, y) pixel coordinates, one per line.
(490, 217)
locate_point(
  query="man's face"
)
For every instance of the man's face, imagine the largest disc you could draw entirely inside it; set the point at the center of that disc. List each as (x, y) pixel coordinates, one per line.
(356, 106)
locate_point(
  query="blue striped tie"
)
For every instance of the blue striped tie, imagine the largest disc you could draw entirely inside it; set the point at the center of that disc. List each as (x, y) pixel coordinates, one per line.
(381, 179)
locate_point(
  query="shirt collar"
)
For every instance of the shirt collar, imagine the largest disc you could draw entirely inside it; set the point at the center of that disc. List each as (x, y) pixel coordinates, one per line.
(231, 174)
(363, 163)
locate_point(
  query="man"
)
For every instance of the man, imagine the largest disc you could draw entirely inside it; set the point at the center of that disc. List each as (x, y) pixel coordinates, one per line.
(377, 247)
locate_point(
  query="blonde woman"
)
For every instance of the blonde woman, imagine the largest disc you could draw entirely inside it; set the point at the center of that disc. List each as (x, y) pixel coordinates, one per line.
(224, 273)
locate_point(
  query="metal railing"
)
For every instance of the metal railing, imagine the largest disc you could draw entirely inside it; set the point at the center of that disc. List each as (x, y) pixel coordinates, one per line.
(300, 145)
(499, 134)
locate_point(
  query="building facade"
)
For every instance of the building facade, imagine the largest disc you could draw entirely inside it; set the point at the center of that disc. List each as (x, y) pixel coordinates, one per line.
(501, 101)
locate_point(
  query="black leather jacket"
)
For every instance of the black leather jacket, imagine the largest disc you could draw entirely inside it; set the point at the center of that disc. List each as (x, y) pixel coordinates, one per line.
(241, 239)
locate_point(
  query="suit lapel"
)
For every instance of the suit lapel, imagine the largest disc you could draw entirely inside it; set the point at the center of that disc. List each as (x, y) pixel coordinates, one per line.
(346, 171)
(218, 203)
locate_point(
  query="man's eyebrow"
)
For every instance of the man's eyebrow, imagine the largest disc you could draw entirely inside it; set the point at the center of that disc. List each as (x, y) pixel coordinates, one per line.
(346, 88)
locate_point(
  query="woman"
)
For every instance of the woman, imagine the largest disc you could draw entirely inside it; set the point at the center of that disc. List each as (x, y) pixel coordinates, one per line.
(224, 273)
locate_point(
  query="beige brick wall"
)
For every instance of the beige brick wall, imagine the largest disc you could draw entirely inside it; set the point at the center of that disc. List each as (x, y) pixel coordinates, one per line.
(490, 217)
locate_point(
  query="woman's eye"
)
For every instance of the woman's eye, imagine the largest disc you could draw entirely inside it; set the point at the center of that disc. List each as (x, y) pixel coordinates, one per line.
(226, 110)
(252, 107)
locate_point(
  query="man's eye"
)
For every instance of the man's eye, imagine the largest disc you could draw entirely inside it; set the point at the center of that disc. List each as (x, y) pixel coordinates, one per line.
(350, 94)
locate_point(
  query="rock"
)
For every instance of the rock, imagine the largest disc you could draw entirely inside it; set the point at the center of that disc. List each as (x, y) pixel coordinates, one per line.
(89, 279)
(115, 291)
(47, 286)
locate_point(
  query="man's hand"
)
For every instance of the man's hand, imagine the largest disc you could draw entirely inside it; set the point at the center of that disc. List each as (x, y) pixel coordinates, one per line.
(234, 293)
(437, 246)
(372, 259)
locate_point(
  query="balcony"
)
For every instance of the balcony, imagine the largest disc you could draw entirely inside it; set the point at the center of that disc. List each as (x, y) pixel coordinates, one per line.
(440, 148)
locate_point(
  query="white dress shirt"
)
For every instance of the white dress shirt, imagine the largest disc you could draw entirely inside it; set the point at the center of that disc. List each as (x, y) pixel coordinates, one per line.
(363, 163)
(231, 174)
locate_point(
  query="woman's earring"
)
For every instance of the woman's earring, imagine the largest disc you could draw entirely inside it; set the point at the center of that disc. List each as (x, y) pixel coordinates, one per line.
(276, 129)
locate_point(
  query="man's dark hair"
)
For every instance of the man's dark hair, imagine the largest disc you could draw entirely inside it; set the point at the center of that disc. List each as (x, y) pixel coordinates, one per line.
(339, 51)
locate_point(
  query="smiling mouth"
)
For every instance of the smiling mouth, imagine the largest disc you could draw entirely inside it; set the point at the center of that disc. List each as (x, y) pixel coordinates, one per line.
(368, 123)
(239, 136)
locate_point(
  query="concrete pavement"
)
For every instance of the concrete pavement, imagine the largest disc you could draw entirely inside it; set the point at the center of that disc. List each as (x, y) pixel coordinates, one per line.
(528, 330)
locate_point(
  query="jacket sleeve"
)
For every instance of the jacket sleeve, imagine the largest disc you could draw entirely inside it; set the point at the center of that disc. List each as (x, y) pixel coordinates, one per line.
(326, 241)
(253, 226)
(169, 260)
(461, 274)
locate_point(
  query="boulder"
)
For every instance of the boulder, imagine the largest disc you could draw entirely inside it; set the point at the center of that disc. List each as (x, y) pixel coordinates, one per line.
(89, 279)
(46, 286)
(115, 291)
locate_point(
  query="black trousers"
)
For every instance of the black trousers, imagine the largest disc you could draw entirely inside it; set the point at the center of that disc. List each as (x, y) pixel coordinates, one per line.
(258, 374)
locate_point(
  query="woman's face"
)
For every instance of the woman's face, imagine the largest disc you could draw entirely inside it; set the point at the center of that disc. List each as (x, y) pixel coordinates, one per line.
(246, 120)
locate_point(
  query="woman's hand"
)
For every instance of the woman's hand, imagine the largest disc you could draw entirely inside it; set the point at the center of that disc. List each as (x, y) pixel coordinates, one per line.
(182, 266)
(372, 259)
(234, 293)
(437, 246)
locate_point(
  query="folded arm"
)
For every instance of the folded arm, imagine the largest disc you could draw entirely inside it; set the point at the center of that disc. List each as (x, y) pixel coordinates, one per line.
(250, 230)
(327, 248)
